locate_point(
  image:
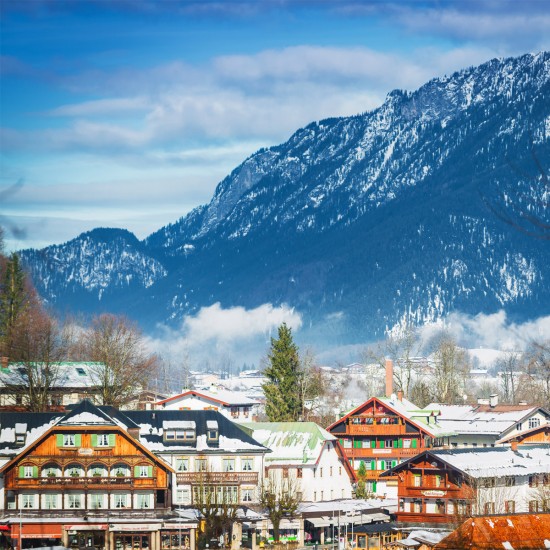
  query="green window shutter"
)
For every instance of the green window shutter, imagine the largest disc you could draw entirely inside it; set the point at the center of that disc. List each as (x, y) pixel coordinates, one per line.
(111, 440)
(393, 463)
(381, 443)
(373, 444)
(400, 443)
(21, 471)
(341, 442)
(136, 471)
(357, 444)
(59, 438)
(77, 440)
(94, 440)
(150, 471)
(413, 443)
(35, 471)
(373, 464)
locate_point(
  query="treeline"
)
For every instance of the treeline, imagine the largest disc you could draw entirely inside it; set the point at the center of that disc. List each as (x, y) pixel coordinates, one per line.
(37, 341)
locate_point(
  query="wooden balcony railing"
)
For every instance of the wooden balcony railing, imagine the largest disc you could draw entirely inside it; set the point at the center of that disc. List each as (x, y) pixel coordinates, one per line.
(208, 478)
(390, 452)
(377, 429)
(87, 481)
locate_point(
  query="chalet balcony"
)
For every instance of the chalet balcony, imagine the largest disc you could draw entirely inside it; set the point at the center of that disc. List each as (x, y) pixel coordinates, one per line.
(423, 517)
(91, 514)
(377, 429)
(393, 452)
(215, 478)
(92, 481)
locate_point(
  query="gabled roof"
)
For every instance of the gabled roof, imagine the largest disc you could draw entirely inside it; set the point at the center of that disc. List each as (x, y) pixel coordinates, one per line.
(223, 397)
(486, 461)
(406, 409)
(93, 418)
(515, 532)
(291, 442)
(232, 439)
(520, 436)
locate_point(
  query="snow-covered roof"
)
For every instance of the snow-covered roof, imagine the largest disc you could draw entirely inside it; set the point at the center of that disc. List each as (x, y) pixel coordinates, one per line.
(212, 424)
(181, 424)
(493, 461)
(468, 419)
(228, 398)
(290, 442)
(67, 374)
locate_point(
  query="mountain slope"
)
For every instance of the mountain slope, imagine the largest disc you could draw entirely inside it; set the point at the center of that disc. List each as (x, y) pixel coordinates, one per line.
(356, 221)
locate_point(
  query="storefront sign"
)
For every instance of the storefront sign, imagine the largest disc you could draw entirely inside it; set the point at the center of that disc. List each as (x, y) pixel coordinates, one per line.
(381, 451)
(434, 493)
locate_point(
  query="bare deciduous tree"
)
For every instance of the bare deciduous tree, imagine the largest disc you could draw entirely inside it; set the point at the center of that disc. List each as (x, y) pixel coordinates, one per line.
(124, 367)
(279, 498)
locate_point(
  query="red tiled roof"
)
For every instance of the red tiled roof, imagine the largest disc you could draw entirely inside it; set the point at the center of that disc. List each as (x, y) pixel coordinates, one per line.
(521, 532)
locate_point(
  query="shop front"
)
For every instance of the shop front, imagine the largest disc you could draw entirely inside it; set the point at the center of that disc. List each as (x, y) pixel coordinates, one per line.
(35, 535)
(83, 537)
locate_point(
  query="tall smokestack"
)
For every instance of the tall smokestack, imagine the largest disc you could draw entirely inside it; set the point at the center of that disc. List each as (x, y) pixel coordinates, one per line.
(389, 377)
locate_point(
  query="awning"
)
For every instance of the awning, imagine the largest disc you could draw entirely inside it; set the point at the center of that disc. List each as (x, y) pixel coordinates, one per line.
(320, 522)
(4, 528)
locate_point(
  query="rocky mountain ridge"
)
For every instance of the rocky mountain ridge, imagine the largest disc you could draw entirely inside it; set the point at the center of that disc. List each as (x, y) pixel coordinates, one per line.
(354, 221)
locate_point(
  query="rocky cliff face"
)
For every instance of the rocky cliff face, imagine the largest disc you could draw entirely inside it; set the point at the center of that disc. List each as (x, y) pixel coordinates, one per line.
(354, 221)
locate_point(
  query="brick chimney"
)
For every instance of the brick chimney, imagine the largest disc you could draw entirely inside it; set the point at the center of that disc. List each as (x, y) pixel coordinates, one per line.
(5, 362)
(493, 400)
(514, 445)
(400, 395)
(389, 377)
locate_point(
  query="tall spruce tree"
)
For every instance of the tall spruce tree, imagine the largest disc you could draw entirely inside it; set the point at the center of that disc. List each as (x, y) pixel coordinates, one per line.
(282, 389)
(13, 297)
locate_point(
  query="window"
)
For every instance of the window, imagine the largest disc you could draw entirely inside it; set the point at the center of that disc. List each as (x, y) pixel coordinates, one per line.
(80, 371)
(212, 434)
(183, 496)
(437, 481)
(228, 464)
(299, 472)
(285, 472)
(50, 471)
(314, 496)
(28, 471)
(489, 508)
(51, 501)
(247, 495)
(170, 435)
(69, 440)
(200, 464)
(74, 501)
(143, 501)
(27, 501)
(488, 482)
(509, 481)
(346, 443)
(534, 422)
(97, 501)
(247, 464)
(417, 506)
(366, 443)
(406, 443)
(510, 507)
(322, 495)
(320, 472)
(144, 471)
(20, 439)
(182, 464)
(103, 440)
(533, 481)
(533, 506)
(339, 470)
(417, 480)
(120, 500)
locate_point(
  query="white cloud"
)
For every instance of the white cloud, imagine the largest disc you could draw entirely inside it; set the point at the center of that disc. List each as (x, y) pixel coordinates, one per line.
(216, 334)
(494, 331)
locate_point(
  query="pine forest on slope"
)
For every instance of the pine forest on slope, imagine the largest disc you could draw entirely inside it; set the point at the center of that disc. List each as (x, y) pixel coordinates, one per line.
(355, 221)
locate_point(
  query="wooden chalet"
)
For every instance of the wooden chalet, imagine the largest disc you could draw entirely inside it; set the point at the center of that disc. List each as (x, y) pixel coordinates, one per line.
(445, 486)
(87, 481)
(532, 436)
(381, 434)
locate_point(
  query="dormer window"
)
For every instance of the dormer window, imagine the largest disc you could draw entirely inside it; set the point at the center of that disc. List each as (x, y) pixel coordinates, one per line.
(20, 439)
(179, 431)
(212, 429)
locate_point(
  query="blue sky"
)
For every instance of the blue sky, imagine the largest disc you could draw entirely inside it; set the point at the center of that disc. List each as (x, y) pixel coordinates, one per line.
(127, 113)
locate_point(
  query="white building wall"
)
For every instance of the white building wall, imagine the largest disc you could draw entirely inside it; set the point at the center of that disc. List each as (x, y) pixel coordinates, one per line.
(197, 403)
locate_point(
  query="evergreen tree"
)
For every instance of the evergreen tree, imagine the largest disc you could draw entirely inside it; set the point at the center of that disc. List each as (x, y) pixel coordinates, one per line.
(282, 389)
(13, 296)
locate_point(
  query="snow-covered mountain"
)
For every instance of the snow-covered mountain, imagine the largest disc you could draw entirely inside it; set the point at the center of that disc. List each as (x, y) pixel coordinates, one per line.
(354, 221)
